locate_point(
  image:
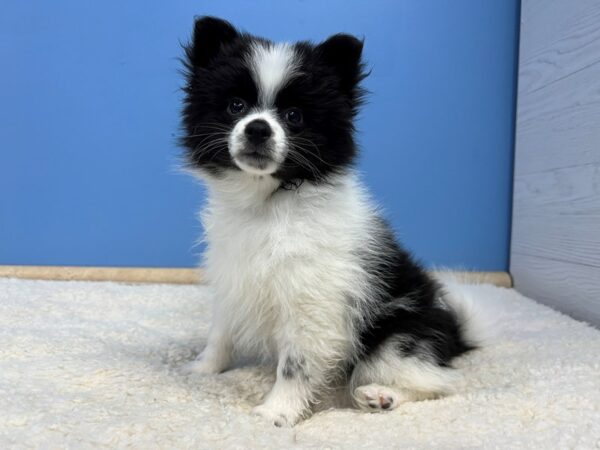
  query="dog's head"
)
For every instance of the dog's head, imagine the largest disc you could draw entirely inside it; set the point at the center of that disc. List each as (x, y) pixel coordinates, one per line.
(270, 109)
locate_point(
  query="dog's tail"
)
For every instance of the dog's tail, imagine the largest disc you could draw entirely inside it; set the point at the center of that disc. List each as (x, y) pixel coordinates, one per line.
(476, 317)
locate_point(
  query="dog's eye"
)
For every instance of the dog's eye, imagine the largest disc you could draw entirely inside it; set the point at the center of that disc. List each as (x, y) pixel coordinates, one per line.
(293, 116)
(236, 106)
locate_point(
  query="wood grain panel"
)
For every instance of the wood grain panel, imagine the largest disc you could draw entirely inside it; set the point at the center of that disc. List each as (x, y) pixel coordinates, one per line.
(561, 239)
(571, 288)
(559, 124)
(555, 247)
(560, 40)
(570, 190)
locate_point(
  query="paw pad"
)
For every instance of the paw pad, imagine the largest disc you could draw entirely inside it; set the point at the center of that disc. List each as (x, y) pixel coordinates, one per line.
(376, 398)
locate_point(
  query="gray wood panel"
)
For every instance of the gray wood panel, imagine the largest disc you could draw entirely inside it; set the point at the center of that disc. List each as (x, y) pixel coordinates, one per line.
(557, 126)
(561, 39)
(571, 288)
(555, 248)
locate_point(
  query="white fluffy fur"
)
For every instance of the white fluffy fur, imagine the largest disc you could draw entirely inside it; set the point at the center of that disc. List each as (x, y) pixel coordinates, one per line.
(478, 325)
(272, 65)
(281, 287)
(283, 264)
(407, 378)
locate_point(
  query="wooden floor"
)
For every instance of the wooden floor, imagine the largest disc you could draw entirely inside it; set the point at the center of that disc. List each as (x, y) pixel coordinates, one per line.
(173, 275)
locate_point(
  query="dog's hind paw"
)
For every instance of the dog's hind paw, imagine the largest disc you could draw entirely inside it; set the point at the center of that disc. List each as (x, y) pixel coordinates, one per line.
(376, 398)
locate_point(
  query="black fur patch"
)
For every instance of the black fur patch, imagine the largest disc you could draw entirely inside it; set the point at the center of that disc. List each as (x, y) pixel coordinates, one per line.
(209, 89)
(423, 322)
(294, 367)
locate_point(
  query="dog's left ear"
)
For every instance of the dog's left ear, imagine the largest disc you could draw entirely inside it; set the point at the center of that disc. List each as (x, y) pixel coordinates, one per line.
(210, 35)
(343, 53)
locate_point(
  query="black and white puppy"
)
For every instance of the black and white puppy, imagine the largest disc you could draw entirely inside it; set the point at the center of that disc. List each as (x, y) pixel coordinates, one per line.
(303, 266)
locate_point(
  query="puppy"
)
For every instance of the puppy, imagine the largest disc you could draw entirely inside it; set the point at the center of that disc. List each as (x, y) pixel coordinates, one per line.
(303, 266)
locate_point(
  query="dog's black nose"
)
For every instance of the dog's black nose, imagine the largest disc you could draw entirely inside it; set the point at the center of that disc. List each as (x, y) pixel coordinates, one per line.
(258, 131)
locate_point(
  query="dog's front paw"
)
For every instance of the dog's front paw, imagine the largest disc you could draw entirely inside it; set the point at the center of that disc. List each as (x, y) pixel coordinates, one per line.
(278, 417)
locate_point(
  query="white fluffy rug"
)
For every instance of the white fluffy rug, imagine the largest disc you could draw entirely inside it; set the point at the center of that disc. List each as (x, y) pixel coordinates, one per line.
(87, 364)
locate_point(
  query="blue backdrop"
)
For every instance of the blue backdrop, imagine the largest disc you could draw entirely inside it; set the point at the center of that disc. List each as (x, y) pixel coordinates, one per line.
(89, 117)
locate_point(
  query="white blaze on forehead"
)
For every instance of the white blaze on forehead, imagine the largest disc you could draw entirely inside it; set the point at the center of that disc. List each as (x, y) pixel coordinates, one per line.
(272, 65)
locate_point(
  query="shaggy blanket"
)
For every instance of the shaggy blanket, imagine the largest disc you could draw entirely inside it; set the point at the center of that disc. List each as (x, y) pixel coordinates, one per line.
(86, 364)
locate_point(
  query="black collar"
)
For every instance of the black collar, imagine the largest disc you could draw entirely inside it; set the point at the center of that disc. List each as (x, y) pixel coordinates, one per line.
(291, 185)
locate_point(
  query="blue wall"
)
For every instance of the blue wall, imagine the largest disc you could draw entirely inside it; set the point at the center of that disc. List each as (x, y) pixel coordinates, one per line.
(89, 117)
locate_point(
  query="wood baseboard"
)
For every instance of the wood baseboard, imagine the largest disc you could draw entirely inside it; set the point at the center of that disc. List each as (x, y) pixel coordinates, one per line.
(175, 275)
(121, 274)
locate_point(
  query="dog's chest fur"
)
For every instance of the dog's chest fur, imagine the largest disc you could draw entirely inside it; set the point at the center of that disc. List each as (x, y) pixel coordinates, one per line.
(286, 263)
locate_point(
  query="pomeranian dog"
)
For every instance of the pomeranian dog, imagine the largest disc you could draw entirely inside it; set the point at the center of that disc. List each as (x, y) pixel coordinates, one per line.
(304, 268)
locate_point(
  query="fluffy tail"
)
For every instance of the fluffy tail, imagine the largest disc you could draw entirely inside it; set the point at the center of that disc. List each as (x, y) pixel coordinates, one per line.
(475, 315)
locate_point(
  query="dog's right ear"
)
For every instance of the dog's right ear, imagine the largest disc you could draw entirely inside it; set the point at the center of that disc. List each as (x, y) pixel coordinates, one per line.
(210, 34)
(343, 52)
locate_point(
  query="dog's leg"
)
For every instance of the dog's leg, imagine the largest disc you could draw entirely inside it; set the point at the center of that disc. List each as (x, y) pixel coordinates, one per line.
(217, 355)
(389, 378)
(295, 386)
